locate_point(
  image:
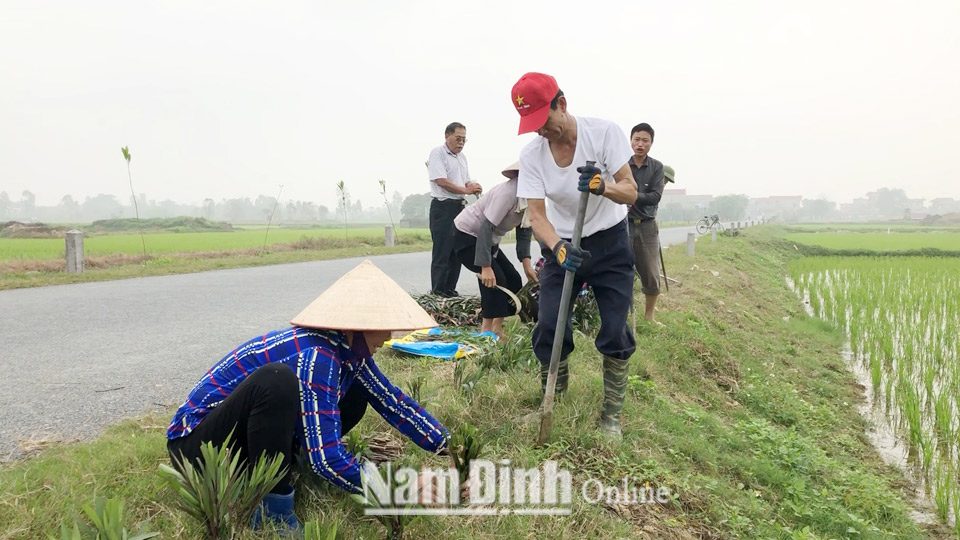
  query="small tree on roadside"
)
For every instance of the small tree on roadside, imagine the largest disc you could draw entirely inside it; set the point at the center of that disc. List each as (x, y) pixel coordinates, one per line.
(383, 191)
(343, 204)
(270, 219)
(136, 209)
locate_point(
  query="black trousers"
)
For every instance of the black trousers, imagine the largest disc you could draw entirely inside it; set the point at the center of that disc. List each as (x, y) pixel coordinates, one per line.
(262, 412)
(609, 272)
(494, 303)
(445, 267)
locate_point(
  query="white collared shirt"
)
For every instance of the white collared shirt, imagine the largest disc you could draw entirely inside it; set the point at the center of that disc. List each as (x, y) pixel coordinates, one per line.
(445, 164)
(540, 177)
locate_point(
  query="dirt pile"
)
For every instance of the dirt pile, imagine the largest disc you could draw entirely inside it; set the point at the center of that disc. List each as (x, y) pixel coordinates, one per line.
(944, 220)
(16, 229)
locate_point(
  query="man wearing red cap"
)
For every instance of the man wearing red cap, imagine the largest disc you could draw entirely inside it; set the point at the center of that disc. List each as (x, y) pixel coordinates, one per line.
(553, 173)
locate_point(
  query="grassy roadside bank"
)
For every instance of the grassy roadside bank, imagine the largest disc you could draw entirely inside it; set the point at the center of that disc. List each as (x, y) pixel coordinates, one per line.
(127, 266)
(740, 405)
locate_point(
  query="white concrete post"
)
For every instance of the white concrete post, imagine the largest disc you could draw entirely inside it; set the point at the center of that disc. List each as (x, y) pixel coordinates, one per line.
(713, 235)
(74, 251)
(691, 242)
(388, 236)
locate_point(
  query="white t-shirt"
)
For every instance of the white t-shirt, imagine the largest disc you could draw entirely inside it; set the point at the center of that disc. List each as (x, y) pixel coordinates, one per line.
(445, 164)
(540, 178)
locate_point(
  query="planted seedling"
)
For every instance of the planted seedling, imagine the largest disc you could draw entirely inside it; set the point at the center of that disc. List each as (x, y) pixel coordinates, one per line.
(107, 521)
(313, 530)
(465, 446)
(221, 491)
(356, 444)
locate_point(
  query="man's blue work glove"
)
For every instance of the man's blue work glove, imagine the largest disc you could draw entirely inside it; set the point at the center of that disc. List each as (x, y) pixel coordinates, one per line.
(590, 180)
(569, 257)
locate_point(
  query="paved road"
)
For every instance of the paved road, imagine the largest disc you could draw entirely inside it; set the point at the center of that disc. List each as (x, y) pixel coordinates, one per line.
(77, 357)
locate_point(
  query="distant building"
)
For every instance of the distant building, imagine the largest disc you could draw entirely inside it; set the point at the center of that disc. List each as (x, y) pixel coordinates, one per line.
(944, 205)
(785, 206)
(680, 197)
(916, 205)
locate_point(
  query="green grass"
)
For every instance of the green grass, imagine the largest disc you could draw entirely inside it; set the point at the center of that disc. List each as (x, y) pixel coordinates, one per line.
(165, 243)
(39, 262)
(161, 266)
(741, 405)
(880, 242)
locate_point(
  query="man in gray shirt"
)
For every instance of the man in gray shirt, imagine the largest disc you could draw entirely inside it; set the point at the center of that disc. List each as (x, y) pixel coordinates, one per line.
(449, 183)
(648, 173)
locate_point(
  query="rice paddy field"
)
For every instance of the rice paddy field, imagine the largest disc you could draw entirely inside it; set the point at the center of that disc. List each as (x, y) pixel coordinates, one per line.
(165, 243)
(902, 319)
(880, 241)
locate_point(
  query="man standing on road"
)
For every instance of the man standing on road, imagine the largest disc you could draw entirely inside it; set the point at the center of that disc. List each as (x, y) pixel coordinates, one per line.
(648, 173)
(553, 167)
(449, 183)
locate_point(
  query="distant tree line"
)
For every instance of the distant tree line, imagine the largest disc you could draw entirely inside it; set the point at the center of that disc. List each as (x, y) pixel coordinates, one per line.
(412, 209)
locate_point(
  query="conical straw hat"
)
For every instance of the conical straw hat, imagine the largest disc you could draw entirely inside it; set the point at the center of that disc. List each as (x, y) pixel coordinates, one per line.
(514, 168)
(364, 299)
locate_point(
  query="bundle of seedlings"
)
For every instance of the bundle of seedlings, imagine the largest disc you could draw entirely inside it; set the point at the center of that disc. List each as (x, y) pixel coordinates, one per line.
(385, 448)
(468, 338)
(586, 314)
(455, 311)
(221, 491)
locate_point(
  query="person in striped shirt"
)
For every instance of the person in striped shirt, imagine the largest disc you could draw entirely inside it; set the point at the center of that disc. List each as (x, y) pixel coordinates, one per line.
(309, 384)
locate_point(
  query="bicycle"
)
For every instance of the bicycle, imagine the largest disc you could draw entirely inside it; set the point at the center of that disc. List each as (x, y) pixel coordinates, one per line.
(707, 223)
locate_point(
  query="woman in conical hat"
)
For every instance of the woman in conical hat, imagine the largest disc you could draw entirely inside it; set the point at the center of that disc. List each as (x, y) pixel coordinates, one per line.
(480, 227)
(309, 384)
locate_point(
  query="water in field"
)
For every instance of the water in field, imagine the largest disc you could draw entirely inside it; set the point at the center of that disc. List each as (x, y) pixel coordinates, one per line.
(902, 317)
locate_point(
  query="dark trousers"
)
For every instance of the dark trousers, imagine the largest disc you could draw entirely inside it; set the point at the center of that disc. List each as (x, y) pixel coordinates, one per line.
(263, 412)
(645, 238)
(494, 303)
(445, 267)
(609, 272)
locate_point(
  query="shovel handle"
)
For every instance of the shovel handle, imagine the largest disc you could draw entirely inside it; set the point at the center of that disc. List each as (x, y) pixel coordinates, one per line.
(546, 417)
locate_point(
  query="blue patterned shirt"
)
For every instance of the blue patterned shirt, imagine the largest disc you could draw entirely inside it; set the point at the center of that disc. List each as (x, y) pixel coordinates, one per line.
(326, 367)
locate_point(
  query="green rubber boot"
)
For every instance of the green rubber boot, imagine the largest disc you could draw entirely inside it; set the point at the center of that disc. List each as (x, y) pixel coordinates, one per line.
(615, 373)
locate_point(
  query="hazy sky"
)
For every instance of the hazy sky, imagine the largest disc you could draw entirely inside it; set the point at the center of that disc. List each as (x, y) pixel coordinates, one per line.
(226, 99)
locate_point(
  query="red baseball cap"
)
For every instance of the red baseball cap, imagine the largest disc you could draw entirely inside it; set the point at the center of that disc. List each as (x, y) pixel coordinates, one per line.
(531, 95)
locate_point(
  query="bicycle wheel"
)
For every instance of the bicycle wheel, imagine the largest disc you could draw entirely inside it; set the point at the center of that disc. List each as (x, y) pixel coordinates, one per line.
(702, 227)
(720, 227)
